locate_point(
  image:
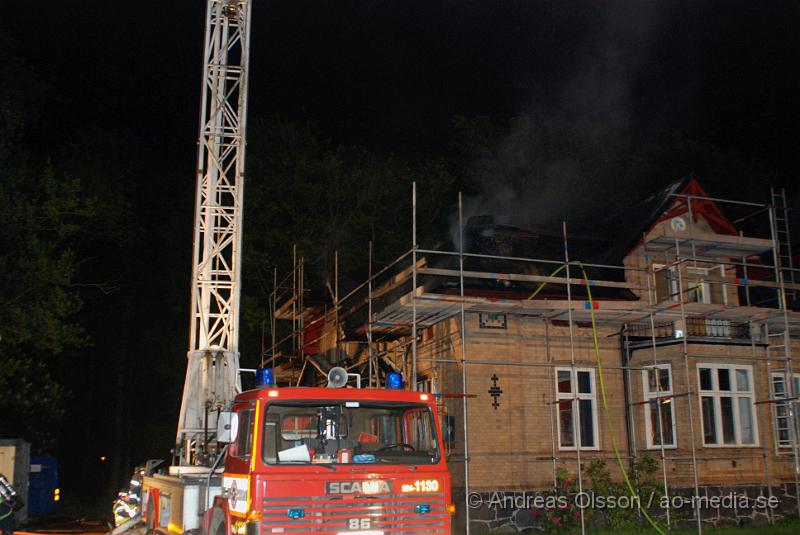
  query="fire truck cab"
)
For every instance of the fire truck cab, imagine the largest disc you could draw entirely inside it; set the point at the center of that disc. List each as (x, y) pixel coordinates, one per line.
(335, 461)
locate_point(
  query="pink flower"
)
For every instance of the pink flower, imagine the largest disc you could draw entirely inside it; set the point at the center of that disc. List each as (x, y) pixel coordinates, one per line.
(565, 484)
(535, 513)
(556, 520)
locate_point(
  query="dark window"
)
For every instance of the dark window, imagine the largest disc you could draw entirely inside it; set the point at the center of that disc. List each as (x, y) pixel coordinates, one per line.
(706, 382)
(575, 392)
(321, 431)
(564, 384)
(565, 424)
(587, 423)
(742, 380)
(746, 417)
(726, 408)
(724, 379)
(727, 400)
(661, 422)
(659, 409)
(664, 284)
(663, 381)
(709, 424)
(244, 435)
(584, 382)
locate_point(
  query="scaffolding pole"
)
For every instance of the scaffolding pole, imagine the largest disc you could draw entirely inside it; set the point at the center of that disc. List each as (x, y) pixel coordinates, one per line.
(658, 408)
(689, 389)
(336, 301)
(294, 299)
(550, 404)
(373, 365)
(767, 478)
(464, 400)
(274, 312)
(576, 434)
(414, 286)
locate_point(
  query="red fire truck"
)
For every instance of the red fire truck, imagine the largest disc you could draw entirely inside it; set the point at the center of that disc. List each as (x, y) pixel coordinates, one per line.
(336, 461)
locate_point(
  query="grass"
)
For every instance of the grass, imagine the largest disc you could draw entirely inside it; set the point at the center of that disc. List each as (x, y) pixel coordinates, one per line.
(785, 527)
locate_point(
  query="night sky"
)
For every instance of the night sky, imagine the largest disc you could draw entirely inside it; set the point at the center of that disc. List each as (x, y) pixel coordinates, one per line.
(392, 75)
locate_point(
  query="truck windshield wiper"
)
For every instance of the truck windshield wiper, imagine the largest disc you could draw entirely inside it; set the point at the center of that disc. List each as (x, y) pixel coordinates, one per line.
(307, 463)
(411, 467)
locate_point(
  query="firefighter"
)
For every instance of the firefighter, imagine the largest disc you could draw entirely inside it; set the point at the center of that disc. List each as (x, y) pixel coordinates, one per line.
(9, 503)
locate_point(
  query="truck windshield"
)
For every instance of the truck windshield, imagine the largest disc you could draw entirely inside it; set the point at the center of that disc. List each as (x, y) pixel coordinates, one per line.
(349, 432)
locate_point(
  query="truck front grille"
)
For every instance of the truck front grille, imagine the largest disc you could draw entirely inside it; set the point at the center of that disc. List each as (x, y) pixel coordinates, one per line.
(330, 515)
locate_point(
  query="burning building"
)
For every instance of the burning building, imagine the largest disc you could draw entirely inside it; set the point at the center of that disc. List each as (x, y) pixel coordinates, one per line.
(670, 339)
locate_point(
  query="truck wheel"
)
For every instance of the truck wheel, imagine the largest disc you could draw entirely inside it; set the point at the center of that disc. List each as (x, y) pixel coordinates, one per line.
(217, 523)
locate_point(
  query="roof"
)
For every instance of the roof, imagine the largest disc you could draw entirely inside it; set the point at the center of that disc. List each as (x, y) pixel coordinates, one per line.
(496, 248)
(631, 224)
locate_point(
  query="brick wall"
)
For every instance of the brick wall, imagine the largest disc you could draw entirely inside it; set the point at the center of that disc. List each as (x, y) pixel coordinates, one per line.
(513, 445)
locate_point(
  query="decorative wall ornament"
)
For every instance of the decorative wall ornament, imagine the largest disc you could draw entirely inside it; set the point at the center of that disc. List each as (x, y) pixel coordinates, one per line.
(495, 391)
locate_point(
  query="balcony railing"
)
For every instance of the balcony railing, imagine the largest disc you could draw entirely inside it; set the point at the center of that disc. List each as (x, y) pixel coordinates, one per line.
(695, 328)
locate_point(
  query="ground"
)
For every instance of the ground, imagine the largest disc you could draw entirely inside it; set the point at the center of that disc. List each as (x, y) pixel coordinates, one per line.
(785, 527)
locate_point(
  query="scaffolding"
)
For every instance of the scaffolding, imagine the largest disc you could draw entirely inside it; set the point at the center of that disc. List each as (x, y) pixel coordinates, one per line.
(674, 305)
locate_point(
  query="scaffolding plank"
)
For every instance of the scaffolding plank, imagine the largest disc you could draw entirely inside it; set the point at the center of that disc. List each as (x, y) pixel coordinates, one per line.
(527, 278)
(718, 245)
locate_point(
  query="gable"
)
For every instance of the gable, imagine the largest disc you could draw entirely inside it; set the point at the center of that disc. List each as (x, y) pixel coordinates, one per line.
(703, 211)
(668, 204)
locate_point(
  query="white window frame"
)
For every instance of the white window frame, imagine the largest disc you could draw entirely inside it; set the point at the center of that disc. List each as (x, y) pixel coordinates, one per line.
(704, 290)
(796, 408)
(574, 396)
(734, 393)
(705, 287)
(651, 400)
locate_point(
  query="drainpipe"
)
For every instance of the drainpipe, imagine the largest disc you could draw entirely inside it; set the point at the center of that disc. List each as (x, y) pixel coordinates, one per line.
(624, 356)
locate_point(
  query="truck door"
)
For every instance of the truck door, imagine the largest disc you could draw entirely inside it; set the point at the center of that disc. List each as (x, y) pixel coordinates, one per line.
(236, 480)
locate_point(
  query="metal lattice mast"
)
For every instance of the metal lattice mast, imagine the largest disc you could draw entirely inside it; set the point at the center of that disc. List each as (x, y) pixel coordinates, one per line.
(212, 375)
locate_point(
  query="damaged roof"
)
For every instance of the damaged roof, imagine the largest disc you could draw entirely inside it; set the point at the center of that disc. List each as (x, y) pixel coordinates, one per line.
(496, 248)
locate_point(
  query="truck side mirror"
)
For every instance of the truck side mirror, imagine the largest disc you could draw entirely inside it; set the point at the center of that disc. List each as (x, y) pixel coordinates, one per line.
(448, 429)
(226, 427)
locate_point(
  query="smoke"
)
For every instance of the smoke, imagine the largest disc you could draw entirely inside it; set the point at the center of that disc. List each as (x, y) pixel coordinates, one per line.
(528, 176)
(603, 86)
(560, 161)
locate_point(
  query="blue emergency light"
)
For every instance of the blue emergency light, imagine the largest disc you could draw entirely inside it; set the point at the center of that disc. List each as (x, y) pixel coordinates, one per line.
(394, 381)
(264, 378)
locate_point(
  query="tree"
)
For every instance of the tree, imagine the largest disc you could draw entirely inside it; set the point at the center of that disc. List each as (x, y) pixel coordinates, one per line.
(135, 251)
(302, 189)
(41, 215)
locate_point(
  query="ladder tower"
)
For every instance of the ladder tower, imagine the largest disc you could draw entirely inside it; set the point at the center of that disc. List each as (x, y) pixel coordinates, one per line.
(212, 374)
